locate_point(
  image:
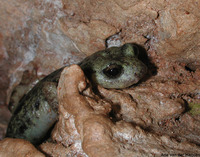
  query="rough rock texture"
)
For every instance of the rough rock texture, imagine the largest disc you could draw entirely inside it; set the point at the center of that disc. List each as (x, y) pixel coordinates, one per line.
(31, 40)
(89, 125)
(139, 121)
(18, 148)
(171, 27)
(37, 37)
(4, 119)
(34, 35)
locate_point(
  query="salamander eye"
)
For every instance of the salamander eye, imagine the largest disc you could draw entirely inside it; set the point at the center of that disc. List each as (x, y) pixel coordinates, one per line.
(113, 71)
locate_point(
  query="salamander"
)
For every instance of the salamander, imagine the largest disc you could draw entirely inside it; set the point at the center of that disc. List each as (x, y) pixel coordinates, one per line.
(37, 111)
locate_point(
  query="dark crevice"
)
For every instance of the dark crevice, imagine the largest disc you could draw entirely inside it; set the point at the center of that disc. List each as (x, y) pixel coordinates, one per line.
(114, 114)
(189, 69)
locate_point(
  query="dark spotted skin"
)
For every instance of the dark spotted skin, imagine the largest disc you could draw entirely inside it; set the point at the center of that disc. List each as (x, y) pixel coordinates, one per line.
(37, 111)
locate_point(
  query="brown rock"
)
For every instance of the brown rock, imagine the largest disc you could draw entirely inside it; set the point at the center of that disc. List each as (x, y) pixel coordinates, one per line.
(18, 148)
(171, 28)
(177, 34)
(90, 125)
(134, 19)
(85, 34)
(31, 35)
(31, 40)
(34, 40)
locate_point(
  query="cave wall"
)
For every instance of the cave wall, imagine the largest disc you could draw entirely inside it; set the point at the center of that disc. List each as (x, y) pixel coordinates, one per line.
(37, 37)
(43, 35)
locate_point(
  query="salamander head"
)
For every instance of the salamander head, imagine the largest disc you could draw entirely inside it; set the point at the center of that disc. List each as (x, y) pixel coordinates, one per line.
(115, 67)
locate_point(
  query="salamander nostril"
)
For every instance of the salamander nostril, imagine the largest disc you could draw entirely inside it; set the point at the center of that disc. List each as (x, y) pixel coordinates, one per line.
(113, 71)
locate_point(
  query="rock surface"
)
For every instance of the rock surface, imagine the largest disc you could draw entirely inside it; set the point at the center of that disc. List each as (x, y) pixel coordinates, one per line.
(18, 148)
(37, 37)
(31, 40)
(34, 36)
(147, 120)
(90, 125)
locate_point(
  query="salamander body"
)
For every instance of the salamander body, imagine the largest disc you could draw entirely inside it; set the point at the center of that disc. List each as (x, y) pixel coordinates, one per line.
(37, 111)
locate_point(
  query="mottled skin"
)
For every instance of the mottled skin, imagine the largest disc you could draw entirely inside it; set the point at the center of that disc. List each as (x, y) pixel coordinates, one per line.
(37, 111)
